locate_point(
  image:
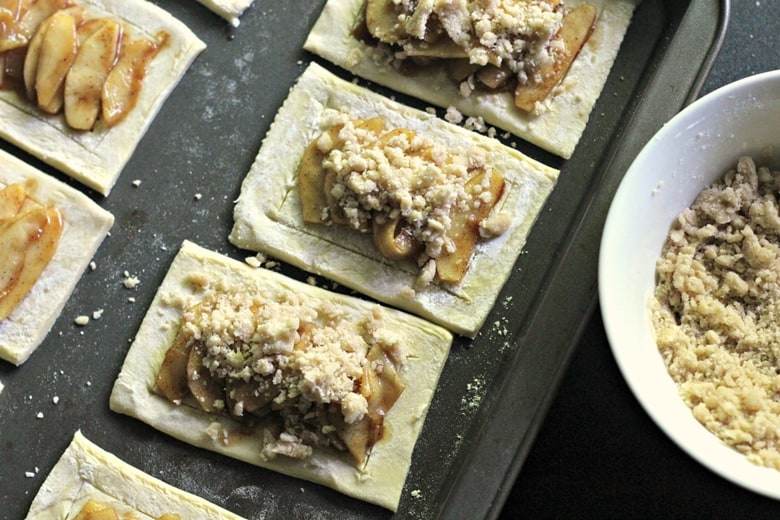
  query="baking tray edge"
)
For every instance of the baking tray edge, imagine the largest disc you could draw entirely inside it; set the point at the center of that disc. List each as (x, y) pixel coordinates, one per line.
(480, 483)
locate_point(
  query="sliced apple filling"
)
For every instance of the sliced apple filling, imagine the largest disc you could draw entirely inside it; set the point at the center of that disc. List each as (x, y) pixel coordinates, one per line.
(525, 46)
(67, 59)
(94, 510)
(29, 234)
(420, 201)
(321, 379)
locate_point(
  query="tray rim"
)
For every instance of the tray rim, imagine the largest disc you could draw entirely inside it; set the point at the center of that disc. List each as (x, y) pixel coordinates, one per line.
(469, 474)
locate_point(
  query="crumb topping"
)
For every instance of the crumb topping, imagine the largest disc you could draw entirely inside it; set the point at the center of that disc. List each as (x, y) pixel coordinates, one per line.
(420, 199)
(401, 174)
(496, 45)
(716, 310)
(285, 355)
(497, 32)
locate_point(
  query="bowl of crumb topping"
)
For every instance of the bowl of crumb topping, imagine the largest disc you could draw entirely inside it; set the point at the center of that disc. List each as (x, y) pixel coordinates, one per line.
(689, 280)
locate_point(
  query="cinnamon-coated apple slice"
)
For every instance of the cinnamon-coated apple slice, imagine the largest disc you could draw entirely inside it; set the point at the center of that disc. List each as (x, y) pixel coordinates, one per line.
(172, 379)
(32, 58)
(123, 84)
(12, 198)
(206, 391)
(382, 20)
(451, 266)
(84, 83)
(57, 53)
(28, 243)
(311, 179)
(575, 30)
(35, 12)
(10, 12)
(86, 27)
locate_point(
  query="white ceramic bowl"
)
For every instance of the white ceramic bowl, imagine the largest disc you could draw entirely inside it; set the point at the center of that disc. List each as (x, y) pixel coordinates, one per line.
(690, 152)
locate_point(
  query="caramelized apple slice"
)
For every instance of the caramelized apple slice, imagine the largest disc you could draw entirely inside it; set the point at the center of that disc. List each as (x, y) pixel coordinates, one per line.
(575, 30)
(88, 27)
(36, 12)
(443, 48)
(93, 510)
(11, 199)
(32, 57)
(356, 438)
(10, 35)
(57, 53)
(33, 52)
(375, 125)
(381, 388)
(384, 385)
(84, 83)
(255, 397)
(10, 11)
(394, 241)
(382, 20)
(28, 242)
(204, 388)
(388, 137)
(123, 84)
(451, 266)
(172, 380)
(311, 179)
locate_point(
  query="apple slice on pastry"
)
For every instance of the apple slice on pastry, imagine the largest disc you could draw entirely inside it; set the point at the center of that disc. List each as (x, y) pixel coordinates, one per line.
(48, 235)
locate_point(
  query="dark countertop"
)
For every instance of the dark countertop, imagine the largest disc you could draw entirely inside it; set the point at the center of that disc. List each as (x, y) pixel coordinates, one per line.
(598, 454)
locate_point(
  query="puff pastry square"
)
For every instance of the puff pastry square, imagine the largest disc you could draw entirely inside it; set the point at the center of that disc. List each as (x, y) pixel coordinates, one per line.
(86, 225)
(96, 158)
(380, 481)
(87, 472)
(268, 212)
(557, 129)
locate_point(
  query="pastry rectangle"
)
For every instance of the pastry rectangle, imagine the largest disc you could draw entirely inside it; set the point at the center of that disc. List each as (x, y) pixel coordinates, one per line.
(87, 472)
(557, 128)
(97, 157)
(85, 226)
(196, 274)
(268, 212)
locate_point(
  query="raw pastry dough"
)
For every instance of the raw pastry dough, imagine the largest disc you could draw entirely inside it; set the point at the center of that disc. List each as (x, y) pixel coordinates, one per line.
(557, 128)
(230, 10)
(97, 158)
(268, 213)
(86, 471)
(86, 225)
(380, 482)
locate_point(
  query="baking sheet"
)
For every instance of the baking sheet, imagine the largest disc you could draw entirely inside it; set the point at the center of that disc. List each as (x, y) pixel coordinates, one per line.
(181, 184)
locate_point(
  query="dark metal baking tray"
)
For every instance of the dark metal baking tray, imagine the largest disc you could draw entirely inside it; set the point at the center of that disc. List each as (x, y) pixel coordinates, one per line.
(181, 184)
